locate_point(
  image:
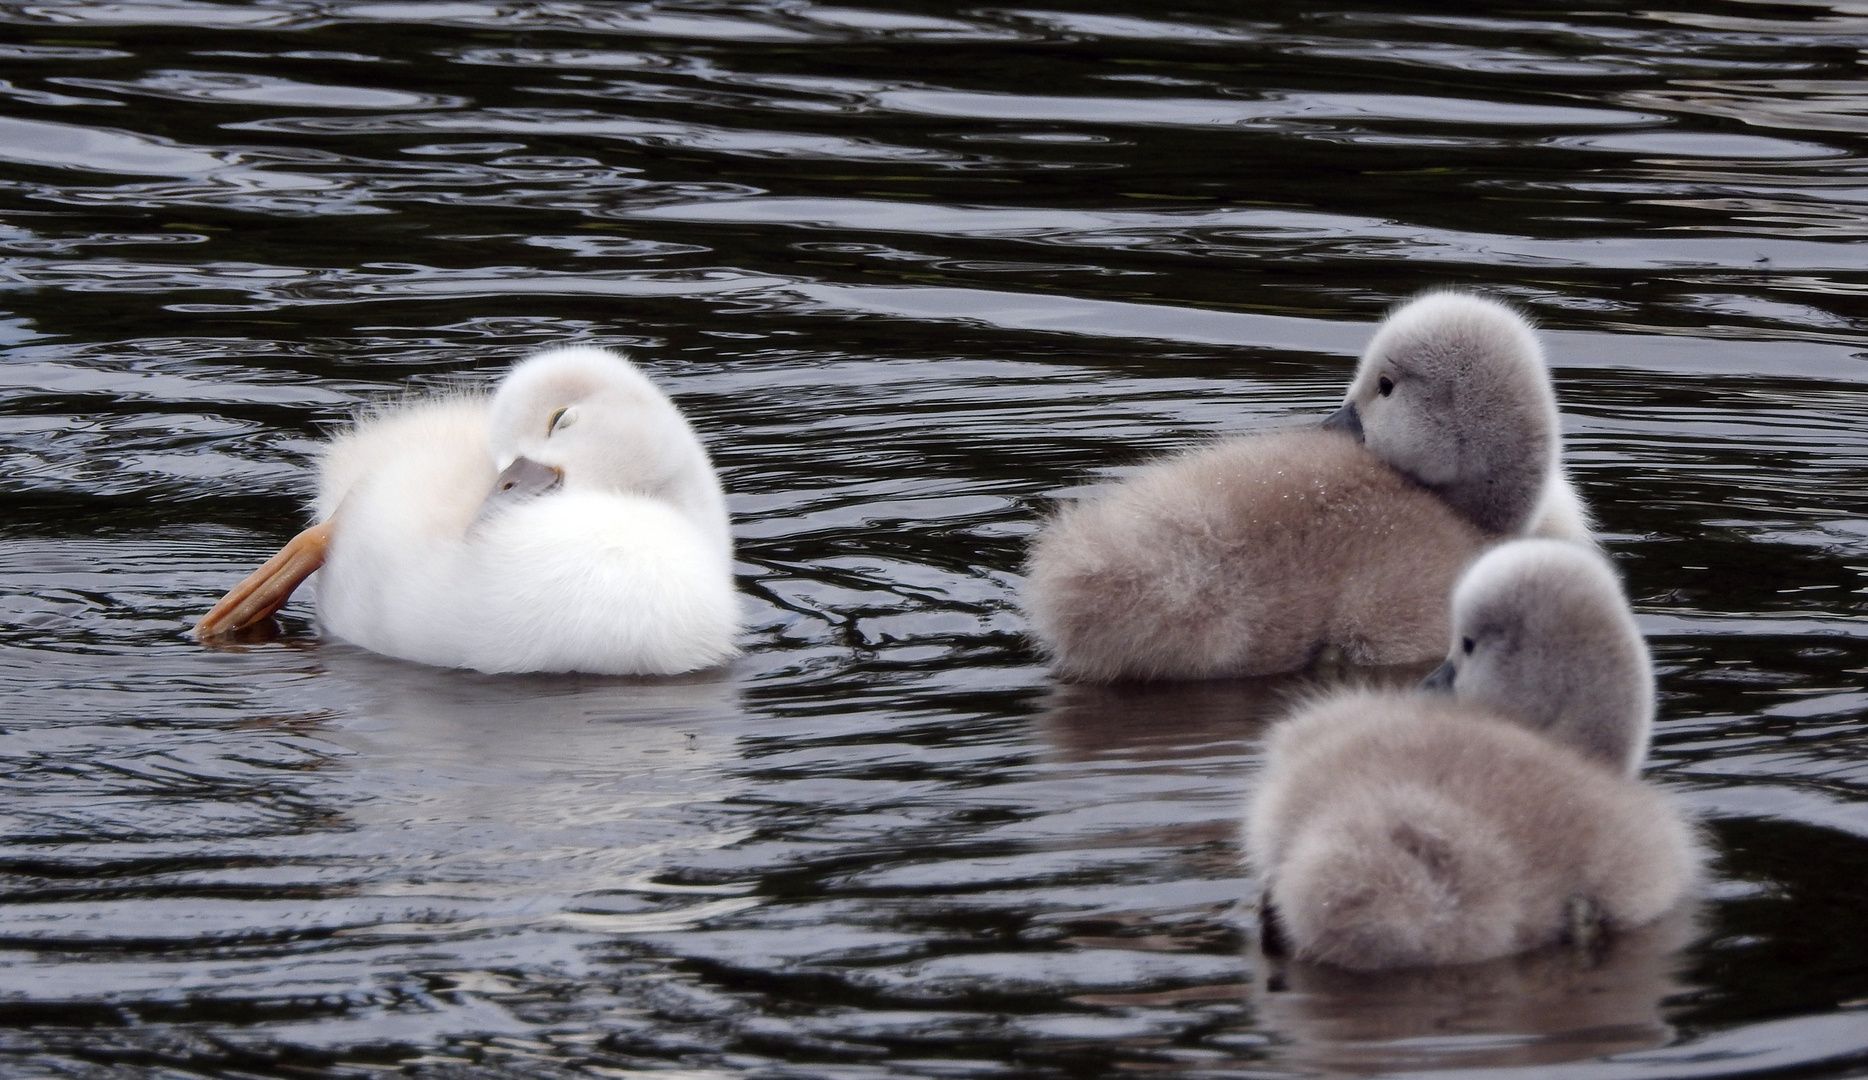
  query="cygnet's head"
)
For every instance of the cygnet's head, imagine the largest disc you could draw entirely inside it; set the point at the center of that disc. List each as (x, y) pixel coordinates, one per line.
(585, 419)
(1453, 391)
(1542, 633)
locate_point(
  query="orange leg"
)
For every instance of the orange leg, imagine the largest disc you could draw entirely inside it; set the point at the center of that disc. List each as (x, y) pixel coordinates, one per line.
(267, 589)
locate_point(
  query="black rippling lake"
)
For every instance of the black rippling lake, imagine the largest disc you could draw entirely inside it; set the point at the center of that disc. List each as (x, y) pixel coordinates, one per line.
(915, 271)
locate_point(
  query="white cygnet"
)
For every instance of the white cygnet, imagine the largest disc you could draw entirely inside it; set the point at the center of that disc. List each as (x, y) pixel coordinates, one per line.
(1396, 830)
(571, 522)
(1255, 555)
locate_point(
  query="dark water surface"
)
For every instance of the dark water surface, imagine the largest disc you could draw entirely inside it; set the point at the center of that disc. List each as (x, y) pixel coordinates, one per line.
(913, 270)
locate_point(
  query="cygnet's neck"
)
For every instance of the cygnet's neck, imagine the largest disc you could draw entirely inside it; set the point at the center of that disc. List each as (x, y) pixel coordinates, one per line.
(1555, 647)
(1603, 711)
(1453, 391)
(1505, 492)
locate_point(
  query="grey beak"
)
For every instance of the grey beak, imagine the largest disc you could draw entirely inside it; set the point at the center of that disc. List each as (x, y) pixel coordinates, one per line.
(1345, 419)
(1441, 681)
(523, 479)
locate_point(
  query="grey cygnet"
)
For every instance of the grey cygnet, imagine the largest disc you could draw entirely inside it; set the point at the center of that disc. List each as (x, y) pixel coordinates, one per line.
(1397, 830)
(1254, 555)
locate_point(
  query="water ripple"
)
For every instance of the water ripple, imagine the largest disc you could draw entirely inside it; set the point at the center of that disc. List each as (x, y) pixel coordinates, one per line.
(916, 274)
(228, 88)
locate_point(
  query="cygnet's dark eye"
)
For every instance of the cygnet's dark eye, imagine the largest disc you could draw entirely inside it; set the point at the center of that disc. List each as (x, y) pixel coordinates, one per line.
(1466, 646)
(555, 417)
(1385, 386)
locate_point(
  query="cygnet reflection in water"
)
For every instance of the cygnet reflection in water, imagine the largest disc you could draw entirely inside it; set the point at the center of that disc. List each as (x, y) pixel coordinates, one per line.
(1190, 719)
(1258, 554)
(571, 522)
(1402, 830)
(1164, 766)
(527, 786)
(1552, 1005)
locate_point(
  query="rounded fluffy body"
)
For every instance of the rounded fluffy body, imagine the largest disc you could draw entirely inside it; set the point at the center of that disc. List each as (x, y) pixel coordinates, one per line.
(1400, 831)
(1411, 829)
(624, 568)
(1245, 559)
(1251, 556)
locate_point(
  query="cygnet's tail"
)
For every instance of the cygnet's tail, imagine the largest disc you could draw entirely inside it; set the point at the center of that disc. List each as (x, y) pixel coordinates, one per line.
(1398, 877)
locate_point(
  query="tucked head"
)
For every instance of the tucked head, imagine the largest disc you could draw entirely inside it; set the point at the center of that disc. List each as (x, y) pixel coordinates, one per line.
(586, 419)
(1453, 391)
(1543, 634)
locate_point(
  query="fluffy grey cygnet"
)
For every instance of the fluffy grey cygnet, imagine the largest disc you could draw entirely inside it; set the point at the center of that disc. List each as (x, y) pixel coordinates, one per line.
(1254, 555)
(1397, 830)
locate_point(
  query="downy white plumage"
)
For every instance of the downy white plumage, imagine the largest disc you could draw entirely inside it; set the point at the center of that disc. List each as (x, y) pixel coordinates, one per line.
(571, 522)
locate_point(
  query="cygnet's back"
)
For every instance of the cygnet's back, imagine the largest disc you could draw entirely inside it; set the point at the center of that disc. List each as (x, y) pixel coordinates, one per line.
(1247, 558)
(1255, 554)
(1398, 830)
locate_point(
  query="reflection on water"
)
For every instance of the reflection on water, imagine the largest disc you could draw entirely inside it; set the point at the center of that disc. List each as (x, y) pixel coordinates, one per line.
(502, 783)
(914, 272)
(1550, 1006)
(1146, 722)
